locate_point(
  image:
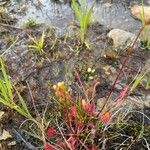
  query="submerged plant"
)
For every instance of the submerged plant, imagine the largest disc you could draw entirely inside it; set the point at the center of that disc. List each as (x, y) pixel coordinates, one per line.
(7, 95)
(38, 44)
(84, 16)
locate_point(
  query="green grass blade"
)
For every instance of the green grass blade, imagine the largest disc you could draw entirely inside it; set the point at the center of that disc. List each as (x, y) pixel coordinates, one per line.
(34, 40)
(77, 11)
(23, 104)
(5, 102)
(7, 81)
(41, 42)
(3, 91)
(6, 95)
(137, 81)
(89, 15)
(33, 46)
(143, 15)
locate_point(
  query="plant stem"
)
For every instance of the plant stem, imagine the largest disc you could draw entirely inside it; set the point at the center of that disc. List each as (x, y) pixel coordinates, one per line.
(78, 77)
(129, 52)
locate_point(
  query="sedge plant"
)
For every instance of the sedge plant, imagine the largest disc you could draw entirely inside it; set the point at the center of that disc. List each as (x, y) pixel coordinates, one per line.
(84, 15)
(7, 95)
(38, 44)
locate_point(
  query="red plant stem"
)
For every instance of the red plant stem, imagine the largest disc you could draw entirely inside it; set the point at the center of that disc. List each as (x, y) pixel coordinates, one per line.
(70, 123)
(129, 52)
(86, 148)
(78, 77)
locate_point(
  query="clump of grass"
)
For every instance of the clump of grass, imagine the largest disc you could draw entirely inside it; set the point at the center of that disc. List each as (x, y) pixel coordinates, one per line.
(30, 23)
(7, 95)
(38, 43)
(84, 16)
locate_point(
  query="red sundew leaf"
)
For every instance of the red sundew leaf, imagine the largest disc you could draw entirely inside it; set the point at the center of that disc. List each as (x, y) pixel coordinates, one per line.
(93, 131)
(93, 148)
(122, 93)
(73, 111)
(60, 92)
(69, 97)
(61, 143)
(51, 132)
(105, 118)
(79, 124)
(72, 142)
(89, 108)
(48, 147)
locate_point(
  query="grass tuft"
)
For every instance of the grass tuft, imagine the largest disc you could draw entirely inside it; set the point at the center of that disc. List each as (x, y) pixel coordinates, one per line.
(84, 16)
(7, 95)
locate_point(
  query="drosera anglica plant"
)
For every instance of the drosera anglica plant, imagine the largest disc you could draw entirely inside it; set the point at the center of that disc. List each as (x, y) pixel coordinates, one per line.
(84, 16)
(38, 43)
(80, 116)
(84, 120)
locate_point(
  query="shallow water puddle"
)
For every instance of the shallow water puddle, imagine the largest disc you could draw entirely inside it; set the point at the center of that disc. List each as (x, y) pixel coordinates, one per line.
(46, 12)
(112, 15)
(115, 15)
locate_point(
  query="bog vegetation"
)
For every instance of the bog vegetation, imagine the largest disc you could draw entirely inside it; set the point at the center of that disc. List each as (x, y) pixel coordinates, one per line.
(72, 119)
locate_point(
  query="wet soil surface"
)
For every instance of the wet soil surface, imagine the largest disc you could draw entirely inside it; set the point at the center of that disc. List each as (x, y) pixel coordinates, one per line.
(113, 14)
(63, 55)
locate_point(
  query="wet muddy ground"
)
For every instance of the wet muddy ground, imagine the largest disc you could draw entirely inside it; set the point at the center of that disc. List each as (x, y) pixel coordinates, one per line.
(64, 54)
